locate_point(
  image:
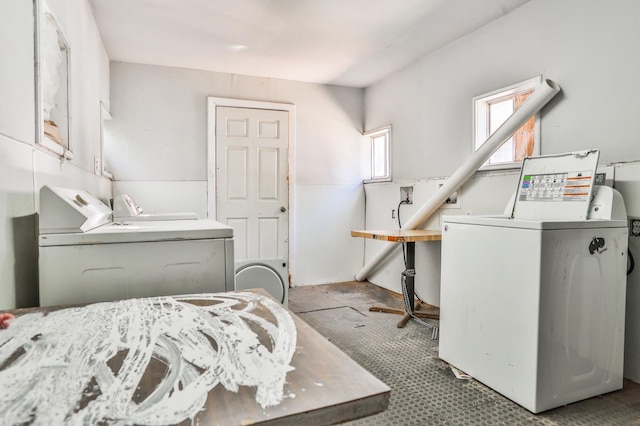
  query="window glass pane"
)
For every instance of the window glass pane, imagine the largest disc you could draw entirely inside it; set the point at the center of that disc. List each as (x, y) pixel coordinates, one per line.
(498, 114)
(504, 154)
(379, 147)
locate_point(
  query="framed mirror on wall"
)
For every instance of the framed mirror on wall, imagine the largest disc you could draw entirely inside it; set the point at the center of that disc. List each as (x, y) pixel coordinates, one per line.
(53, 91)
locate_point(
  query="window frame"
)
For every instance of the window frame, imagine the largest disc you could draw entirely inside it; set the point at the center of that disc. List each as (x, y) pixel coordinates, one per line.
(481, 126)
(372, 135)
(105, 115)
(41, 9)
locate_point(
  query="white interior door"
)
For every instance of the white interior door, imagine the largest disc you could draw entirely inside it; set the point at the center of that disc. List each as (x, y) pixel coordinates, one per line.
(251, 180)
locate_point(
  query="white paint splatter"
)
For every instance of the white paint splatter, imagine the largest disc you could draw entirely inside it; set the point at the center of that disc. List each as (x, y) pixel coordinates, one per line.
(64, 367)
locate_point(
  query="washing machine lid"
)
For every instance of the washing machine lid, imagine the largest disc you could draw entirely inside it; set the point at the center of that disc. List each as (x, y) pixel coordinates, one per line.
(260, 275)
(541, 225)
(137, 232)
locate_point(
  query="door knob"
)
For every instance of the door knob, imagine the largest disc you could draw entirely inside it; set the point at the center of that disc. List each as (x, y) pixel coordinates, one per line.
(283, 209)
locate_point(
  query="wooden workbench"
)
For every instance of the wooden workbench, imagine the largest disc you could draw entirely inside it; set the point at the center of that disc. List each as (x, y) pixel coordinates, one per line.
(324, 387)
(410, 237)
(400, 235)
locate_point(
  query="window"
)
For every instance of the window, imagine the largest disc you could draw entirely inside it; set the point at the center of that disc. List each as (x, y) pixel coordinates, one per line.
(103, 168)
(53, 69)
(380, 140)
(491, 110)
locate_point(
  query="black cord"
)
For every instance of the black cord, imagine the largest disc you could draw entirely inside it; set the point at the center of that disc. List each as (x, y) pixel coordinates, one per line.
(404, 255)
(632, 264)
(435, 330)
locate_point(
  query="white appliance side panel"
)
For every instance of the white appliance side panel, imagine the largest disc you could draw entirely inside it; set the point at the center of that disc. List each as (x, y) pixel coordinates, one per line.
(229, 264)
(103, 272)
(489, 306)
(142, 231)
(582, 314)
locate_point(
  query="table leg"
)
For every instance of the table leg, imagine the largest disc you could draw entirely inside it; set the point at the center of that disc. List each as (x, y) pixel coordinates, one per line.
(411, 291)
(409, 277)
(405, 319)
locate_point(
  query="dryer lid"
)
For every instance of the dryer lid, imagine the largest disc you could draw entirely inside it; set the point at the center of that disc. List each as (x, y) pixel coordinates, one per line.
(142, 232)
(126, 208)
(70, 210)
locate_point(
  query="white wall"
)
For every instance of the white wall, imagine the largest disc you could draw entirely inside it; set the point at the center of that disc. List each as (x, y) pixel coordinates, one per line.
(24, 167)
(586, 47)
(480, 195)
(90, 78)
(157, 141)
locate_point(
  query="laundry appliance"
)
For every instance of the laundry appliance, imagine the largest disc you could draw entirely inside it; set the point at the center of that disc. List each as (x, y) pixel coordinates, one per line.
(270, 274)
(126, 208)
(86, 257)
(533, 303)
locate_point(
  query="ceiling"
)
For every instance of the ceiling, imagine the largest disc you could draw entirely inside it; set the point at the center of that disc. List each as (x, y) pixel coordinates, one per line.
(343, 42)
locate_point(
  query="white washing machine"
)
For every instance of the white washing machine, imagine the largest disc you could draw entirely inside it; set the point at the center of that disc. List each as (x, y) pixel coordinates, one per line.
(85, 257)
(533, 305)
(270, 274)
(125, 208)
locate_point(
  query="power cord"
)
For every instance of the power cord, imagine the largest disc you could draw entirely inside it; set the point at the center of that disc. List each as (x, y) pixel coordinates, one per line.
(435, 330)
(404, 254)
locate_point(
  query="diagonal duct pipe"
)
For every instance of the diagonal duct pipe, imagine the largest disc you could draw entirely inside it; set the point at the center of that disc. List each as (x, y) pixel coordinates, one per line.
(534, 103)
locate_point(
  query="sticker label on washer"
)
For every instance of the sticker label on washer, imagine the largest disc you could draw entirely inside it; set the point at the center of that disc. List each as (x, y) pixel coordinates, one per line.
(556, 187)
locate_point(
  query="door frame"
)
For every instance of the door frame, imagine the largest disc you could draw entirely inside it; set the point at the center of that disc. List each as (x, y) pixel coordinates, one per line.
(212, 104)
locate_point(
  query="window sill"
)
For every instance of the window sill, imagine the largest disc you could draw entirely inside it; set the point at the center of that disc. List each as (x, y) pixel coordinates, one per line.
(55, 148)
(376, 180)
(501, 166)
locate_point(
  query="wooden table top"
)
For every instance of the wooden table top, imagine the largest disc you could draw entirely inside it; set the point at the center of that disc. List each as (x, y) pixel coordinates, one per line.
(399, 235)
(320, 384)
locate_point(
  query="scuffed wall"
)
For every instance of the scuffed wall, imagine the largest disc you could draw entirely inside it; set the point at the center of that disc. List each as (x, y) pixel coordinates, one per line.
(25, 167)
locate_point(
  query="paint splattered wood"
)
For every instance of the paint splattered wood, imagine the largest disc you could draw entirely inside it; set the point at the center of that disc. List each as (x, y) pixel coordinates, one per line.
(226, 358)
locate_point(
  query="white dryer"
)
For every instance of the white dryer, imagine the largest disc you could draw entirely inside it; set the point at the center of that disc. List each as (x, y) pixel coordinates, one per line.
(533, 304)
(84, 257)
(271, 275)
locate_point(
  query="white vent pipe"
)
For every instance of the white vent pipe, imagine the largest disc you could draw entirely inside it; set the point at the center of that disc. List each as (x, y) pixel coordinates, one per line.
(534, 103)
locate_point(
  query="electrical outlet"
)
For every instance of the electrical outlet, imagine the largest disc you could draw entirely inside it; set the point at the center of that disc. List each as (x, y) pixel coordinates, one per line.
(634, 227)
(452, 201)
(96, 165)
(453, 198)
(406, 194)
